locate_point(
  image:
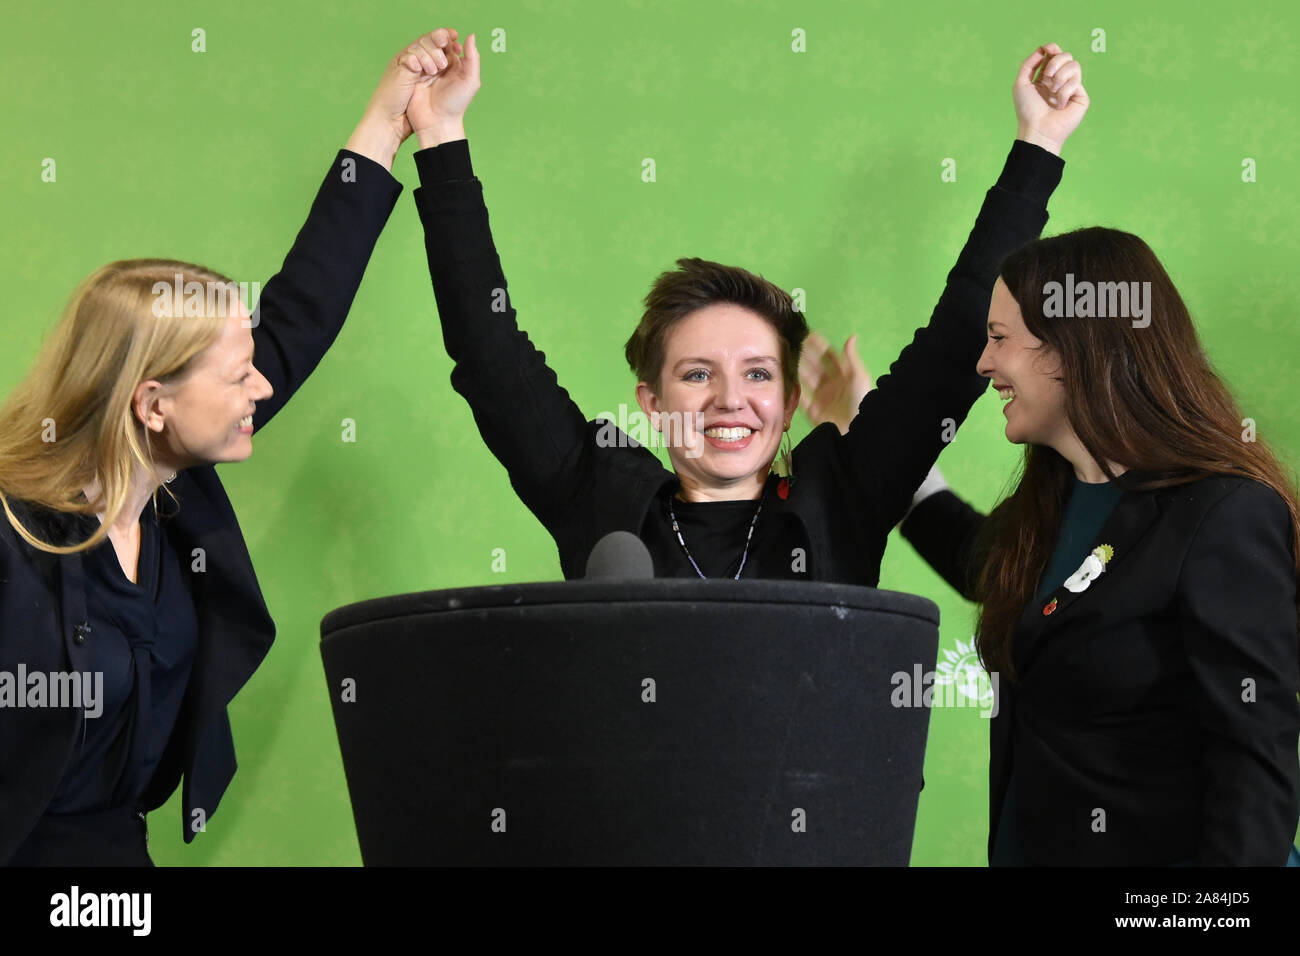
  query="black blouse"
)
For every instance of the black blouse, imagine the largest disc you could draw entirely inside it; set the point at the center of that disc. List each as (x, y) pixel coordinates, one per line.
(143, 638)
(715, 533)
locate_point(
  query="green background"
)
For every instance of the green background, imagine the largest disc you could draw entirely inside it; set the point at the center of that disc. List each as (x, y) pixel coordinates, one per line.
(820, 170)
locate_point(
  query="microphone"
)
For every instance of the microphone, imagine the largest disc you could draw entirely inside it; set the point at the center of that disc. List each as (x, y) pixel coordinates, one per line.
(620, 554)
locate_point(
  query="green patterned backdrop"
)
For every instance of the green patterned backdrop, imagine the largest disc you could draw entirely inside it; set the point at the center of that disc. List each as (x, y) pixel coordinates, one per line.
(819, 169)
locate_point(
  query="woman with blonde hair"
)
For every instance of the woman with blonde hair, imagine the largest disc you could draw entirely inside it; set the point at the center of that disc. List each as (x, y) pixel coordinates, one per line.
(117, 663)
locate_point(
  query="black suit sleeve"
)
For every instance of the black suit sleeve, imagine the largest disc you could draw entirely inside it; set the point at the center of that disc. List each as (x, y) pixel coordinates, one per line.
(1236, 595)
(906, 420)
(303, 306)
(945, 531)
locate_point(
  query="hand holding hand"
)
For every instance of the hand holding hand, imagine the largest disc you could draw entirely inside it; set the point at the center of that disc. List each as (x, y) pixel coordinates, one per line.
(436, 111)
(384, 126)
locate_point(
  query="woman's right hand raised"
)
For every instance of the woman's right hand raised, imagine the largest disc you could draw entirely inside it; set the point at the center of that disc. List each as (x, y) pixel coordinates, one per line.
(1049, 108)
(437, 108)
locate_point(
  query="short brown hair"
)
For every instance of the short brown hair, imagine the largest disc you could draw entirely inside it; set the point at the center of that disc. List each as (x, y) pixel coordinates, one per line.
(697, 283)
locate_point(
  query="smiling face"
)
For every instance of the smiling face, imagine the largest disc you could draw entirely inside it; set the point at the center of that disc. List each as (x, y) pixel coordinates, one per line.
(722, 370)
(206, 416)
(1025, 373)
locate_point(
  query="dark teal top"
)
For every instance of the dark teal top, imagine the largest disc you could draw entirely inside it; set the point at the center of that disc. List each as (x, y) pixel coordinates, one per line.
(1086, 510)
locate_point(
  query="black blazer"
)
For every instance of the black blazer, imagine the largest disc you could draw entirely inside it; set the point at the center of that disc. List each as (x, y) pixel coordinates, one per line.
(42, 596)
(1155, 718)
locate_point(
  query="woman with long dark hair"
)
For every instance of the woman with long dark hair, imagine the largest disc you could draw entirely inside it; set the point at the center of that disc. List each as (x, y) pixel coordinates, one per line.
(1137, 587)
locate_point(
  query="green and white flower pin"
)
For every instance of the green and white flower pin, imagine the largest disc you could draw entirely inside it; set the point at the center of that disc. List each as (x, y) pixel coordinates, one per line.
(1093, 565)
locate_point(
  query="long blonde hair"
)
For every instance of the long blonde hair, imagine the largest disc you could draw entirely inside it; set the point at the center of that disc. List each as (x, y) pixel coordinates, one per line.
(70, 421)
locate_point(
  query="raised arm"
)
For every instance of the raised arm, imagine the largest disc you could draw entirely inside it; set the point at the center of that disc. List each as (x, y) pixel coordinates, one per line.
(904, 423)
(526, 419)
(303, 306)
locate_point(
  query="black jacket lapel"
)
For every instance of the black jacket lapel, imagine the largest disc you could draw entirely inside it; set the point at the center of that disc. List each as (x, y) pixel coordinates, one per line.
(1133, 515)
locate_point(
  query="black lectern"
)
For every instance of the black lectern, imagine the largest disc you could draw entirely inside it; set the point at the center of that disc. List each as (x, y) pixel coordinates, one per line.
(657, 721)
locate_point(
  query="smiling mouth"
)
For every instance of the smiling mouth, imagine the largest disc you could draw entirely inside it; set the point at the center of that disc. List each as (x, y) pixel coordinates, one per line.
(246, 421)
(728, 434)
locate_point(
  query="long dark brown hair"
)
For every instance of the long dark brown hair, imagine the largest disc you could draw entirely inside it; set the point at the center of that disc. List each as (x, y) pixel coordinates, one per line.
(1145, 398)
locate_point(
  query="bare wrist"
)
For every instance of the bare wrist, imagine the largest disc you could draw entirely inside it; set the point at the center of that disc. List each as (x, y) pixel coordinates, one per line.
(375, 139)
(1030, 135)
(440, 133)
